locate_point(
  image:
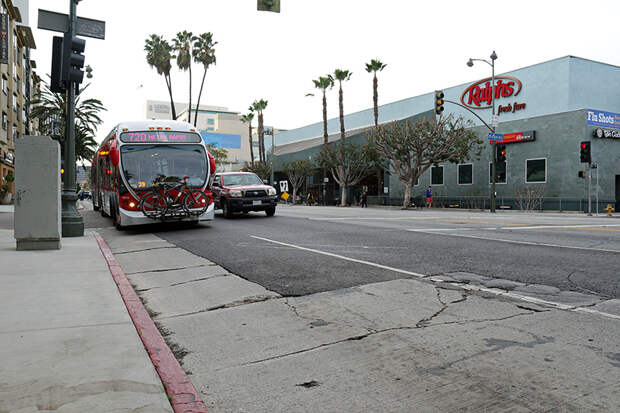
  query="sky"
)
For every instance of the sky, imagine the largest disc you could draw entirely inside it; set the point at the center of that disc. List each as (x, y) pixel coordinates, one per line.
(275, 56)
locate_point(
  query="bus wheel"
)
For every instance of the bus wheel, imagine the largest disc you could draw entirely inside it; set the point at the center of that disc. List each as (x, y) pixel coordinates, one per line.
(116, 218)
(102, 211)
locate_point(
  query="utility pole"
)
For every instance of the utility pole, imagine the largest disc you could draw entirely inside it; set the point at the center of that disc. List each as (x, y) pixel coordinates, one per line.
(589, 189)
(72, 222)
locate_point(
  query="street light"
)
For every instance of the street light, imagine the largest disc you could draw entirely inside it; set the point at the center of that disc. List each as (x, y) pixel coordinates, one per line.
(470, 63)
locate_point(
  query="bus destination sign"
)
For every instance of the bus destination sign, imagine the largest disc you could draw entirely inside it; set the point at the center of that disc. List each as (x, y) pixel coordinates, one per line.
(160, 137)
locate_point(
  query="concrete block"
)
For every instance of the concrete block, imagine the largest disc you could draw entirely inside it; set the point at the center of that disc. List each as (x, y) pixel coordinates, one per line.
(37, 193)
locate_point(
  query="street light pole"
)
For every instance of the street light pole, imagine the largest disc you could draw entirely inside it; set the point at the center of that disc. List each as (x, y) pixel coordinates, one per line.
(72, 222)
(470, 63)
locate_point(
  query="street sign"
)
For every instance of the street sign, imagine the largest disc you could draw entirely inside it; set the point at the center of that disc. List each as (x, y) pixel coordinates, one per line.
(59, 22)
(268, 131)
(285, 196)
(496, 137)
(283, 186)
(594, 166)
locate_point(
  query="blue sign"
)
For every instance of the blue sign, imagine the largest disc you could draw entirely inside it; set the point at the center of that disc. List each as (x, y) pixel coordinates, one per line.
(221, 140)
(496, 136)
(603, 119)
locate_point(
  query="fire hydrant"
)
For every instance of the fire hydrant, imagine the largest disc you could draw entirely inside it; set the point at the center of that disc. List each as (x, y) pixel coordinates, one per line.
(609, 209)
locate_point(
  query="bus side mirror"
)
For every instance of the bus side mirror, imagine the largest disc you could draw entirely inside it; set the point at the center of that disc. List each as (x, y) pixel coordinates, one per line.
(114, 156)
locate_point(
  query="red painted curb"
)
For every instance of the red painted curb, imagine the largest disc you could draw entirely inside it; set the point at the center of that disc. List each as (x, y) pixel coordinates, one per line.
(181, 392)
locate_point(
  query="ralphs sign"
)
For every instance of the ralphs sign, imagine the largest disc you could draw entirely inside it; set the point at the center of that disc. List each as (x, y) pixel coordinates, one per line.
(478, 95)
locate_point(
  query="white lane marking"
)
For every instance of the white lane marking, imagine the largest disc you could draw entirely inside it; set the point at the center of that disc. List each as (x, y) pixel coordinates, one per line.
(538, 244)
(519, 297)
(563, 226)
(442, 229)
(342, 257)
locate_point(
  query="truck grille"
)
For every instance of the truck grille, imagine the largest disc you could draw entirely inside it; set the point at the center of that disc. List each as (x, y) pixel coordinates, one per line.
(255, 193)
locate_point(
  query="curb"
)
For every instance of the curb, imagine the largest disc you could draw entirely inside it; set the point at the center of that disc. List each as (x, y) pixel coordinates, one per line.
(181, 392)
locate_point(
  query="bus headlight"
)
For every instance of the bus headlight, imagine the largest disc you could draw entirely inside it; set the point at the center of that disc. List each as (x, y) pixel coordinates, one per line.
(271, 190)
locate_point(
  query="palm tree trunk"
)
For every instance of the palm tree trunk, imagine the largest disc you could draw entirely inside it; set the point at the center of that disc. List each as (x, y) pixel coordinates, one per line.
(251, 146)
(199, 95)
(375, 98)
(324, 118)
(261, 138)
(169, 85)
(341, 107)
(189, 107)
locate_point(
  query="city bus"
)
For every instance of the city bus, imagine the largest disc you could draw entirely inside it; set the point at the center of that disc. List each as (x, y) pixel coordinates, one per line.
(136, 158)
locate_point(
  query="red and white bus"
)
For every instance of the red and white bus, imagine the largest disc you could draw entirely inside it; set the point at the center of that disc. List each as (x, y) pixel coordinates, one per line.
(136, 157)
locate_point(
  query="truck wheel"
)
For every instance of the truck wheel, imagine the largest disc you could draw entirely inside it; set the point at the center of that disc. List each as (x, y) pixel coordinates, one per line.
(226, 210)
(270, 211)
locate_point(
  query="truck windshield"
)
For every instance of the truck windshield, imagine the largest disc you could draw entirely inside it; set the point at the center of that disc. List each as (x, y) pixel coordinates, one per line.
(241, 179)
(144, 165)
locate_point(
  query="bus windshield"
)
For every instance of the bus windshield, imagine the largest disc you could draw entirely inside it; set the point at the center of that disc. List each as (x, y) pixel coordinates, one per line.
(144, 165)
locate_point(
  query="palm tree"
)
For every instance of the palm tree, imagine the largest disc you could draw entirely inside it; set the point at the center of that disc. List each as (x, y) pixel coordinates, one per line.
(258, 106)
(48, 106)
(341, 76)
(248, 119)
(158, 55)
(203, 53)
(182, 45)
(324, 83)
(375, 66)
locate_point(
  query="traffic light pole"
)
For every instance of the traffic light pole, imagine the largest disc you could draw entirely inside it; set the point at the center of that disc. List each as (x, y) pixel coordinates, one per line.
(72, 222)
(589, 189)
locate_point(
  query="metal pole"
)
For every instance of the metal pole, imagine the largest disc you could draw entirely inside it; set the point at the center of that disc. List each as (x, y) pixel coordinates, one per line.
(596, 189)
(589, 189)
(72, 222)
(493, 148)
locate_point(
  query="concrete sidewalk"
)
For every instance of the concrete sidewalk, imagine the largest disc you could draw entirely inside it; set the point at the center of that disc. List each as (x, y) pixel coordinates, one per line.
(67, 343)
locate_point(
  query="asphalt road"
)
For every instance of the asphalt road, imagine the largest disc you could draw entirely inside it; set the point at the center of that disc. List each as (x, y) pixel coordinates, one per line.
(304, 250)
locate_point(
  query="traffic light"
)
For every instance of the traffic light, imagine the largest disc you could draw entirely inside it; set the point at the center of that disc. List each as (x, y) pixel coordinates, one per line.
(501, 152)
(586, 155)
(55, 81)
(268, 5)
(72, 59)
(439, 102)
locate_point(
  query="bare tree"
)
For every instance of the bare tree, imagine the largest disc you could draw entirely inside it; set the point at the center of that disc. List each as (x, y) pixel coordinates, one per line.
(348, 164)
(260, 168)
(410, 148)
(529, 198)
(297, 172)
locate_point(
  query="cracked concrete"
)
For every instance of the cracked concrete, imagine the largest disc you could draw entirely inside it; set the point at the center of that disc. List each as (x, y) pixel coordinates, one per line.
(400, 345)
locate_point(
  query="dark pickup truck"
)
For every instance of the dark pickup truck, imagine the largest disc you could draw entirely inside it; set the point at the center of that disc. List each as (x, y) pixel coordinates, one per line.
(243, 192)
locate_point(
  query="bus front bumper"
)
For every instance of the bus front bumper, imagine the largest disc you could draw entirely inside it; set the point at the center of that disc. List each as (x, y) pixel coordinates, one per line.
(130, 218)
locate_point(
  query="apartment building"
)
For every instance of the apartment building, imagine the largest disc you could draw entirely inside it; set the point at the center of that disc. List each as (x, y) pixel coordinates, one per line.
(18, 80)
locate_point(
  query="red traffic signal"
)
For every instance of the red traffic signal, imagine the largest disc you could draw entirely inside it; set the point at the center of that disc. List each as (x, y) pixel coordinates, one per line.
(585, 153)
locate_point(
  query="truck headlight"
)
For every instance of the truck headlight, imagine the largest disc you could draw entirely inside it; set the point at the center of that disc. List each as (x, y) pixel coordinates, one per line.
(271, 191)
(236, 194)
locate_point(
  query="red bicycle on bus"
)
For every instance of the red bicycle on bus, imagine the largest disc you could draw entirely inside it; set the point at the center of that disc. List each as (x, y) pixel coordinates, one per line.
(173, 199)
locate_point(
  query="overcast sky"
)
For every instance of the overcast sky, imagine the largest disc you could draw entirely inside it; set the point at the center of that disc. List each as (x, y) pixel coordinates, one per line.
(425, 45)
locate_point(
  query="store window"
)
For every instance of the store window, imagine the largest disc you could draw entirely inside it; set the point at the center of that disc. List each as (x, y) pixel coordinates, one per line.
(536, 170)
(436, 175)
(465, 174)
(500, 172)
(210, 121)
